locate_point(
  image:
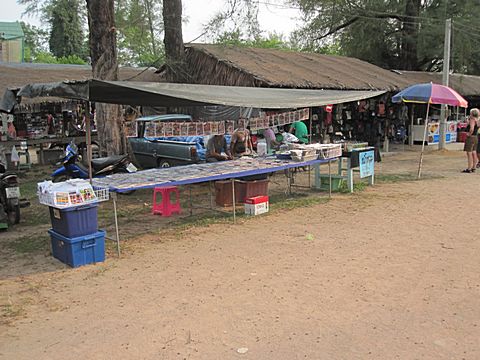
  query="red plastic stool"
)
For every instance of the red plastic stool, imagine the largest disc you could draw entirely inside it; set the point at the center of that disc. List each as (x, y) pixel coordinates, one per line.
(166, 207)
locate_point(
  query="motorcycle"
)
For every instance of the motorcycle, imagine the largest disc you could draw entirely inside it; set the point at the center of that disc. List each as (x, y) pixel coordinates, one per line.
(10, 202)
(70, 169)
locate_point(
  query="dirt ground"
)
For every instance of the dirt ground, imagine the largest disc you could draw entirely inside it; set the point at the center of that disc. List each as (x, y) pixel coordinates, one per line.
(390, 272)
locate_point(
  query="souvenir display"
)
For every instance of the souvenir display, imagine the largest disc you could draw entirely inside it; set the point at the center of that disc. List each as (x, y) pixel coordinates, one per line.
(201, 128)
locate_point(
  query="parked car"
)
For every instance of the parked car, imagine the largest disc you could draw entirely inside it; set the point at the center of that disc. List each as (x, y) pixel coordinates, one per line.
(151, 151)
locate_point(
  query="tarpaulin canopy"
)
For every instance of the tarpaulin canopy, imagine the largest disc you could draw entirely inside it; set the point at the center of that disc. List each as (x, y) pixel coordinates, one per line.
(172, 94)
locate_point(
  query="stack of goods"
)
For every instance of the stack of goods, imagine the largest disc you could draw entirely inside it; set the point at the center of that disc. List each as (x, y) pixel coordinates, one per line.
(300, 152)
(306, 154)
(73, 206)
(349, 146)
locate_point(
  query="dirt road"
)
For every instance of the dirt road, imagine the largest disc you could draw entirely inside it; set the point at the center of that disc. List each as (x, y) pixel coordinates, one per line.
(392, 272)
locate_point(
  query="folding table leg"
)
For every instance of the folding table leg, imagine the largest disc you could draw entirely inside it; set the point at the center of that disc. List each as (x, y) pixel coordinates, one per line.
(233, 201)
(114, 197)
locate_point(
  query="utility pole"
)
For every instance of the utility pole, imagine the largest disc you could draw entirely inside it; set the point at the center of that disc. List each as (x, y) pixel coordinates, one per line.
(445, 81)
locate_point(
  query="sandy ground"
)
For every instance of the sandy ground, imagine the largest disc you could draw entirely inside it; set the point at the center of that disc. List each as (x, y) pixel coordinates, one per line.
(392, 272)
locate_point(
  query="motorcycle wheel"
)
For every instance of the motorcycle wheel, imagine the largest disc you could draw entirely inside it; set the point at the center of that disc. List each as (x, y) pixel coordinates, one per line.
(60, 178)
(14, 215)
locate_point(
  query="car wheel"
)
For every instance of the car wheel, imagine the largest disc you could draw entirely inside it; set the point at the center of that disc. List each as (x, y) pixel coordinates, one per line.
(163, 163)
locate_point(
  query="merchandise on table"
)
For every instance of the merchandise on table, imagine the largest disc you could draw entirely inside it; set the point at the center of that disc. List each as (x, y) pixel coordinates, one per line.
(194, 173)
(75, 192)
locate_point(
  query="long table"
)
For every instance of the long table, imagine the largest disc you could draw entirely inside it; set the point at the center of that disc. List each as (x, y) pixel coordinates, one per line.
(197, 173)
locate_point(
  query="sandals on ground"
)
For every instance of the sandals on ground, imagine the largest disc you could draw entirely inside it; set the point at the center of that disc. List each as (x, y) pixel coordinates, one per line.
(466, 171)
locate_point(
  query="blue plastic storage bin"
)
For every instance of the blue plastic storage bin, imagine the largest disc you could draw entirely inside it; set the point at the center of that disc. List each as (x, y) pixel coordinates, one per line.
(80, 250)
(75, 221)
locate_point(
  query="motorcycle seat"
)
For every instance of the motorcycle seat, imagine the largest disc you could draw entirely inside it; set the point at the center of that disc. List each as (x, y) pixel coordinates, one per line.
(100, 163)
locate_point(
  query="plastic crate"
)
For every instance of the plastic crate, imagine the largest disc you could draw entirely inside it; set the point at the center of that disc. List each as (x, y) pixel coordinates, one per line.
(78, 251)
(223, 193)
(250, 189)
(75, 221)
(243, 190)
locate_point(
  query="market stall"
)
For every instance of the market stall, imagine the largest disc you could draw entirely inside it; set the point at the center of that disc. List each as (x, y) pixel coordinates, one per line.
(185, 95)
(355, 157)
(198, 173)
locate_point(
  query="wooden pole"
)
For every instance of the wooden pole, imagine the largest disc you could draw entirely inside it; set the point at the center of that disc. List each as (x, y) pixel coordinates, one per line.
(233, 202)
(89, 139)
(410, 139)
(423, 144)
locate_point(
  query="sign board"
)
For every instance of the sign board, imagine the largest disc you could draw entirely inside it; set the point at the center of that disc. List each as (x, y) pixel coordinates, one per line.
(367, 163)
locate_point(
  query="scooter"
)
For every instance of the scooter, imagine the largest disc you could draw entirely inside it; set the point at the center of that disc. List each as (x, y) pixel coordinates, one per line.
(70, 169)
(10, 202)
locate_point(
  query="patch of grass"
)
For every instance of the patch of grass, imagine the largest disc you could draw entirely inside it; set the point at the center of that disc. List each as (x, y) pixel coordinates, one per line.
(278, 202)
(394, 178)
(9, 312)
(357, 187)
(35, 243)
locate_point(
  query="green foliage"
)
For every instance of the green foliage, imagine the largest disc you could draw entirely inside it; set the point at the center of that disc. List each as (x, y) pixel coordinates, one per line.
(405, 34)
(66, 34)
(66, 31)
(237, 38)
(47, 58)
(236, 17)
(35, 40)
(139, 32)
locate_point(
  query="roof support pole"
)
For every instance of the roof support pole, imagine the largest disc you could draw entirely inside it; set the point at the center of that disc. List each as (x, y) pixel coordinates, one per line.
(88, 129)
(445, 81)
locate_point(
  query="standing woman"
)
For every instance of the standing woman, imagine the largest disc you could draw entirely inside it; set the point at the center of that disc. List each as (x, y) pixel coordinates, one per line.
(471, 141)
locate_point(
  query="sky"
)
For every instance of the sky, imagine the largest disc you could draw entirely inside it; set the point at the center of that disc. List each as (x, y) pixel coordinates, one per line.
(197, 12)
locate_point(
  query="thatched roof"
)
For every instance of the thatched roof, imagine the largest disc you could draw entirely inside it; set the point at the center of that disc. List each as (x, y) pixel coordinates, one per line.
(17, 75)
(241, 66)
(466, 85)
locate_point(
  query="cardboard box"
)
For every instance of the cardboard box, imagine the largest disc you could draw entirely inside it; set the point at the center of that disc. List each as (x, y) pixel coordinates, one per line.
(256, 205)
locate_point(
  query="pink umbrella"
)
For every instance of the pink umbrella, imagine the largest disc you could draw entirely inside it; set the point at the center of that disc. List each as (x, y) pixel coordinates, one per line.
(429, 93)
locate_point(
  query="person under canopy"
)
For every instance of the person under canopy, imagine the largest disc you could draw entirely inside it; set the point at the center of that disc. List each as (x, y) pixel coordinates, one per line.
(241, 143)
(217, 149)
(301, 131)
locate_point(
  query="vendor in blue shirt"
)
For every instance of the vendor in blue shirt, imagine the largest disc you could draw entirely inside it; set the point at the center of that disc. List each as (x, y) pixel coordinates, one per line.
(216, 145)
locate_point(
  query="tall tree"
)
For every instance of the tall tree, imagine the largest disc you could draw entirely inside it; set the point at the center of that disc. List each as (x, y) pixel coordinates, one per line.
(36, 40)
(103, 52)
(139, 26)
(66, 28)
(65, 19)
(173, 41)
(400, 34)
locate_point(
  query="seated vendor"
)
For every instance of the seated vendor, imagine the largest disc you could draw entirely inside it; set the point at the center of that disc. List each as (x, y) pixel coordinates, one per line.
(271, 139)
(215, 146)
(301, 131)
(241, 143)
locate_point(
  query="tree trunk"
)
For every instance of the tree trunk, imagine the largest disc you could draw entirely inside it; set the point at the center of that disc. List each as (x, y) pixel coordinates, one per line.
(410, 35)
(173, 40)
(103, 52)
(148, 9)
